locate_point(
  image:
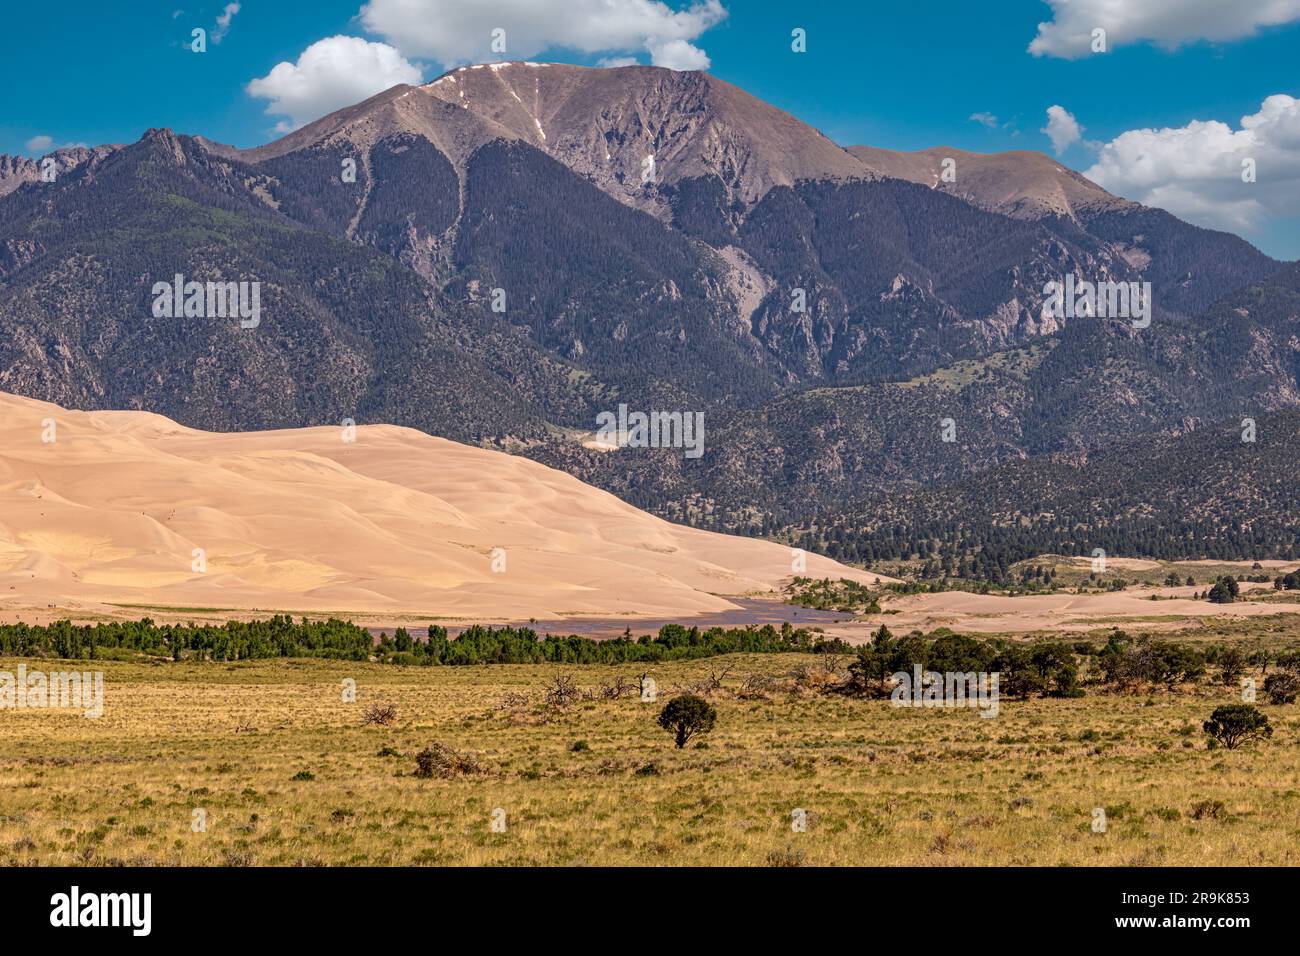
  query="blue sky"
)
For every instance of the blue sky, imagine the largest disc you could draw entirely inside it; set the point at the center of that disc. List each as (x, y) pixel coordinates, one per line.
(898, 75)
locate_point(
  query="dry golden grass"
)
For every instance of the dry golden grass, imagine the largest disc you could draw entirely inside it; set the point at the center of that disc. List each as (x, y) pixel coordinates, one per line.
(880, 785)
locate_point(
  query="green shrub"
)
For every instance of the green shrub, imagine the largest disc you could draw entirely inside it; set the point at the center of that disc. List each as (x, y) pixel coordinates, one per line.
(1235, 724)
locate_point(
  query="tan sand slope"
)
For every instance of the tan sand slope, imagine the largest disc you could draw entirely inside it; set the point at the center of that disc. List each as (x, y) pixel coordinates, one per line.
(113, 509)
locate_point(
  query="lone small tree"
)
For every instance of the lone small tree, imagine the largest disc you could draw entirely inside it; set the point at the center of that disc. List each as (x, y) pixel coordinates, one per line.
(1225, 590)
(686, 716)
(1235, 724)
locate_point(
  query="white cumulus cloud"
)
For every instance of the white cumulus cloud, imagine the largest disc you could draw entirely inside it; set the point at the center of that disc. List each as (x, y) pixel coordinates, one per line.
(1195, 171)
(455, 32)
(330, 74)
(1168, 23)
(678, 55)
(41, 144)
(1062, 129)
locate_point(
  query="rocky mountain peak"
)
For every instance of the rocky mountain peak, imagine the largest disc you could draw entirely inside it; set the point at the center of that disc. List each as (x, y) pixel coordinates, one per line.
(627, 128)
(16, 170)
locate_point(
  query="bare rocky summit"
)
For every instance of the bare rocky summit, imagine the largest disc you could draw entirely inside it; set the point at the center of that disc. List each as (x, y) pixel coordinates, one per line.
(1018, 183)
(17, 170)
(608, 124)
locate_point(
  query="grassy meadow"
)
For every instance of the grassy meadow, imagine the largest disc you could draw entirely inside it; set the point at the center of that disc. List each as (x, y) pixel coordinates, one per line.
(286, 772)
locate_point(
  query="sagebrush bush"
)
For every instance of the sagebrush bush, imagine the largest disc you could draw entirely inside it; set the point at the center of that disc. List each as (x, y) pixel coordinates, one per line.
(1282, 688)
(441, 760)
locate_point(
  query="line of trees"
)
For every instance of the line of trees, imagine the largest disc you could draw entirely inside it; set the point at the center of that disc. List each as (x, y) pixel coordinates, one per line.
(1048, 669)
(673, 642)
(1055, 669)
(1041, 668)
(279, 636)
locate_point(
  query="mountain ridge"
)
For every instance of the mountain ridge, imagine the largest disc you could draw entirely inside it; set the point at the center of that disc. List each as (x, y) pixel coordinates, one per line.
(1023, 184)
(815, 321)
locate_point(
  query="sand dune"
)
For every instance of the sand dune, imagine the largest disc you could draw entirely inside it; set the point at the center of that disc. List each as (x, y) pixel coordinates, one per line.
(115, 508)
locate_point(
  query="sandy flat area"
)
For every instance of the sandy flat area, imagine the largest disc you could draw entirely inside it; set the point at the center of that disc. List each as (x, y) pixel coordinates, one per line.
(130, 508)
(997, 614)
(1084, 563)
(1117, 564)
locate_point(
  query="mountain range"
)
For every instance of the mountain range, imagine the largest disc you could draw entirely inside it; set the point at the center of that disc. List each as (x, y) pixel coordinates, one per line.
(500, 255)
